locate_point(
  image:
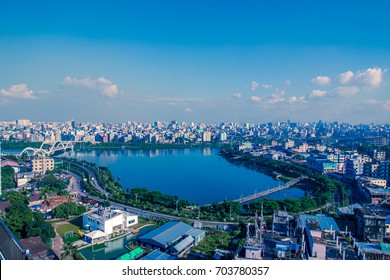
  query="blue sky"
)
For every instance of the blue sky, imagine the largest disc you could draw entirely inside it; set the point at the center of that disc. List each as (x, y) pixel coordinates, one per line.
(203, 61)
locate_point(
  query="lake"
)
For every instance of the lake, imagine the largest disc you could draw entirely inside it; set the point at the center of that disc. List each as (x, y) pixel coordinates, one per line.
(198, 175)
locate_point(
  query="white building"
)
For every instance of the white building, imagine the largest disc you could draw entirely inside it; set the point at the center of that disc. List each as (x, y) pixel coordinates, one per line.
(289, 144)
(108, 220)
(223, 136)
(206, 136)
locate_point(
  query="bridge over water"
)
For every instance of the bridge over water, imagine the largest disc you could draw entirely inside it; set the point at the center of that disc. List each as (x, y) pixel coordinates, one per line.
(270, 191)
(49, 148)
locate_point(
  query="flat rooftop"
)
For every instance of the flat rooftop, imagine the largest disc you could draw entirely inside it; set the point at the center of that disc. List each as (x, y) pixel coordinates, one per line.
(104, 213)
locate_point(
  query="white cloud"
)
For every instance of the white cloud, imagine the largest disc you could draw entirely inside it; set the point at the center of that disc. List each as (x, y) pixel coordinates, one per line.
(372, 101)
(18, 91)
(267, 86)
(293, 99)
(237, 95)
(277, 97)
(346, 77)
(188, 110)
(372, 76)
(287, 82)
(321, 80)
(256, 99)
(254, 85)
(106, 87)
(318, 93)
(346, 91)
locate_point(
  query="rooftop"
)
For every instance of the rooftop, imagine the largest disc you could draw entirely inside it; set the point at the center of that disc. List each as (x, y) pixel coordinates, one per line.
(325, 222)
(158, 255)
(104, 213)
(169, 233)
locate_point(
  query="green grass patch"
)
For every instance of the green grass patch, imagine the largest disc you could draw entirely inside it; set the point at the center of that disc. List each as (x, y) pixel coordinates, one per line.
(66, 228)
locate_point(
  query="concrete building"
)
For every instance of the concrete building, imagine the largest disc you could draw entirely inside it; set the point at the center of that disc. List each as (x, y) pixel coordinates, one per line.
(375, 195)
(23, 122)
(289, 144)
(322, 164)
(223, 136)
(108, 220)
(365, 181)
(282, 222)
(378, 170)
(41, 164)
(206, 136)
(371, 224)
(354, 167)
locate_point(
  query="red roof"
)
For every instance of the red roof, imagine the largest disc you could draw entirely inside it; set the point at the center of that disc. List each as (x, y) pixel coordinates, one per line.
(4, 205)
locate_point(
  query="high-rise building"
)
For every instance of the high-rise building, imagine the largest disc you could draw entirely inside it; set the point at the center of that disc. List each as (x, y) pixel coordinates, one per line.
(354, 167)
(207, 136)
(42, 164)
(23, 122)
(223, 136)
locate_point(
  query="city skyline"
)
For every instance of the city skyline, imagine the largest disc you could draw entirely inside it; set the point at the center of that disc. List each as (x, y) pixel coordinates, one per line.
(202, 62)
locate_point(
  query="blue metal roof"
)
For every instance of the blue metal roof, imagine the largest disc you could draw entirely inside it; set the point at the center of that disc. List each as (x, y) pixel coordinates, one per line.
(195, 232)
(183, 244)
(158, 255)
(166, 234)
(325, 222)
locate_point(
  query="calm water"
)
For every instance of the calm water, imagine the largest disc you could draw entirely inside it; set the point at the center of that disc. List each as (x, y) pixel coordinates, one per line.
(113, 249)
(197, 174)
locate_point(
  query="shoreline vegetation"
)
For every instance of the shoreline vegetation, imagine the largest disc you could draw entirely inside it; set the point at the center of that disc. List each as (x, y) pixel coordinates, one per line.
(12, 145)
(319, 189)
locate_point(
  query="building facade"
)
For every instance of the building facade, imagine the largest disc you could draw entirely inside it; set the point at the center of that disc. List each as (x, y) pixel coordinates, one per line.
(108, 220)
(42, 164)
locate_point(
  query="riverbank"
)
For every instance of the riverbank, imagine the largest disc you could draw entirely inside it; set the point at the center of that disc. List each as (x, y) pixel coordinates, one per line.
(323, 188)
(16, 145)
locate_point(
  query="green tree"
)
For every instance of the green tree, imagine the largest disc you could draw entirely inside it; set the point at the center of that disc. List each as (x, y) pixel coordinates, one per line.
(19, 218)
(14, 196)
(307, 203)
(7, 177)
(70, 252)
(68, 209)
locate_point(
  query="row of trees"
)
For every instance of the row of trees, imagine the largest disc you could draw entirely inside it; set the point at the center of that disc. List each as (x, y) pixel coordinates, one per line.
(290, 205)
(68, 209)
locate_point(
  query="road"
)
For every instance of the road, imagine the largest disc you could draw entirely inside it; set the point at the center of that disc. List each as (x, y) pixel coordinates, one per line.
(137, 211)
(74, 182)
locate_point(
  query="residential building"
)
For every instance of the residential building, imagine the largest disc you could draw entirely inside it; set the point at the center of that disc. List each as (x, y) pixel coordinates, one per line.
(371, 224)
(41, 164)
(108, 220)
(206, 136)
(354, 167)
(289, 144)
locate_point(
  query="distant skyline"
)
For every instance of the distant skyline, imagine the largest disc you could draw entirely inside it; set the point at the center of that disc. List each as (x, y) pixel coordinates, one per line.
(201, 61)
